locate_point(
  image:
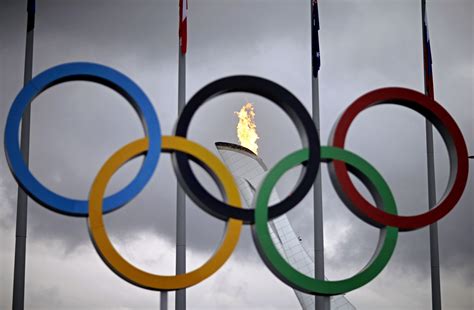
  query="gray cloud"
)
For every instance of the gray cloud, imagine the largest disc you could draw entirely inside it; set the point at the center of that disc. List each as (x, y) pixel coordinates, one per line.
(364, 45)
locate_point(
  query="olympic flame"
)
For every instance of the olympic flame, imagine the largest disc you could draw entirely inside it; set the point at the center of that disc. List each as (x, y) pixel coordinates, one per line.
(246, 128)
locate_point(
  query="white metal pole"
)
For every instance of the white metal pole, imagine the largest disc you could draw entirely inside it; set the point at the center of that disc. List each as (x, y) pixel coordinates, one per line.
(321, 302)
(164, 300)
(429, 91)
(180, 196)
(22, 202)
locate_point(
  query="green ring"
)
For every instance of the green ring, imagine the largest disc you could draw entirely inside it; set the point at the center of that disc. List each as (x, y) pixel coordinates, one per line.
(278, 265)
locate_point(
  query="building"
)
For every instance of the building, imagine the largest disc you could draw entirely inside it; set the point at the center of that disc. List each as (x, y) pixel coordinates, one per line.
(249, 170)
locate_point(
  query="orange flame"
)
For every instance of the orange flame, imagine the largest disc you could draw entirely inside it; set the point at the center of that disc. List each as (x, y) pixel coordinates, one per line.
(246, 128)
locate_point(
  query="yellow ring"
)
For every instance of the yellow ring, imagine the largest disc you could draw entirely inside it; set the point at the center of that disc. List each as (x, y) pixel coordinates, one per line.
(122, 267)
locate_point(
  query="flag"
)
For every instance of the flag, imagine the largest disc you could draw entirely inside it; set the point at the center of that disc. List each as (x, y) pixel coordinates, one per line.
(427, 60)
(316, 57)
(30, 8)
(183, 25)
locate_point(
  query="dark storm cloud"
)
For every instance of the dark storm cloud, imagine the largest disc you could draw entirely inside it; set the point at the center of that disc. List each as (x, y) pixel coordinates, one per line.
(364, 45)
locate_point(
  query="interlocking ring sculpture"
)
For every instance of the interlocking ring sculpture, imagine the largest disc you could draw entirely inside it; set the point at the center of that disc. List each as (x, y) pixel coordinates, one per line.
(383, 215)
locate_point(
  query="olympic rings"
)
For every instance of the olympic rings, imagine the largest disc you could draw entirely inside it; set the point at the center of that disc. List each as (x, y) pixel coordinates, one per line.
(281, 268)
(84, 72)
(340, 162)
(288, 103)
(451, 134)
(122, 267)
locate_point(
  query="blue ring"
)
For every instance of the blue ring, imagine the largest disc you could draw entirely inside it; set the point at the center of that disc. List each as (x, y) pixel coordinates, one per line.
(84, 72)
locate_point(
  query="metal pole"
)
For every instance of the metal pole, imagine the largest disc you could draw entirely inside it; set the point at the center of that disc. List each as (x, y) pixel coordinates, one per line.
(434, 244)
(164, 300)
(180, 197)
(22, 202)
(429, 91)
(321, 302)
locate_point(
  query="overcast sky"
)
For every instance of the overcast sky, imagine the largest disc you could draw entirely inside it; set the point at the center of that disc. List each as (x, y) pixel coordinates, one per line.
(76, 126)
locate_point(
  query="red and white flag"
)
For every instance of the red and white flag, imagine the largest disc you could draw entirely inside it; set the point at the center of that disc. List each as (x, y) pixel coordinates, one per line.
(183, 25)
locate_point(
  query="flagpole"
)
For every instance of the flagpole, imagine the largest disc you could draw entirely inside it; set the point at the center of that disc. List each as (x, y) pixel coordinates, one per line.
(321, 302)
(180, 297)
(180, 197)
(163, 300)
(22, 202)
(429, 91)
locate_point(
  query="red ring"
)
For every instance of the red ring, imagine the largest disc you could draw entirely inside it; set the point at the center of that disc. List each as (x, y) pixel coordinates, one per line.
(450, 133)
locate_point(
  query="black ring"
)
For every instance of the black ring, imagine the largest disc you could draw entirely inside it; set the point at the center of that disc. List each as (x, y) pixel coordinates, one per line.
(288, 103)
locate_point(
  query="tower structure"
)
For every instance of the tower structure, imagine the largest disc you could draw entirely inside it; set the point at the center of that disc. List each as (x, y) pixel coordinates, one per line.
(249, 170)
